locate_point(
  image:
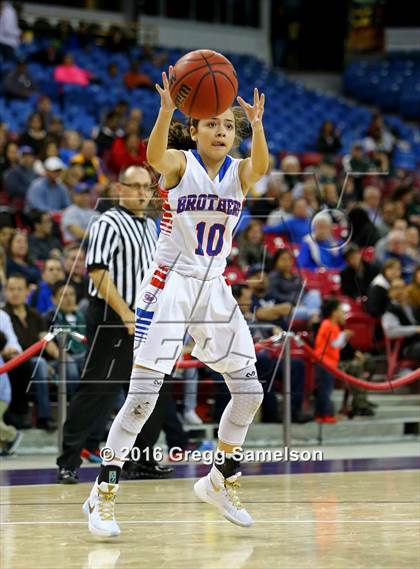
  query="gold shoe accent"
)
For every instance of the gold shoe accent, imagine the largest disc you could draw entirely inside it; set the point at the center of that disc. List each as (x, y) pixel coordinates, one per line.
(106, 503)
(231, 488)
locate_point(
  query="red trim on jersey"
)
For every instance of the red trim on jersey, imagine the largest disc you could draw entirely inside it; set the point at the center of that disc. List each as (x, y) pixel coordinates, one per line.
(159, 276)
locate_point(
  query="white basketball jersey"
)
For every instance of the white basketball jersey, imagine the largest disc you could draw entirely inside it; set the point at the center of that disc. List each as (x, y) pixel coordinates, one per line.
(199, 217)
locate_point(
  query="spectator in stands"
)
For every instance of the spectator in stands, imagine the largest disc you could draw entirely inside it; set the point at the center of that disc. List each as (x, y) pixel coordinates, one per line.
(18, 258)
(284, 285)
(413, 242)
(283, 211)
(72, 142)
(41, 297)
(330, 339)
(9, 30)
(265, 309)
(396, 248)
(251, 244)
(7, 229)
(48, 193)
(320, 249)
(112, 77)
(295, 227)
(157, 58)
(128, 151)
(35, 133)
(382, 244)
(388, 218)
(18, 83)
(10, 157)
(29, 327)
(9, 347)
(328, 139)
(94, 175)
(363, 231)
(378, 137)
(357, 164)
(72, 177)
(372, 204)
(136, 79)
(3, 277)
(70, 73)
(51, 54)
(77, 218)
(290, 166)
(42, 243)
(358, 274)
(377, 298)
(74, 267)
(413, 291)
(262, 206)
(116, 41)
(18, 178)
(55, 131)
(44, 108)
(65, 315)
(17, 400)
(107, 133)
(122, 109)
(49, 148)
(266, 367)
(401, 321)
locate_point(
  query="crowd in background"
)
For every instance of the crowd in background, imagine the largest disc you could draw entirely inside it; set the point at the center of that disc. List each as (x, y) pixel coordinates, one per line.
(352, 215)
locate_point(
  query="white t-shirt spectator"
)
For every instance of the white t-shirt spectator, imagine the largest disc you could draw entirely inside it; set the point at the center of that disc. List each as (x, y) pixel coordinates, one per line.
(75, 215)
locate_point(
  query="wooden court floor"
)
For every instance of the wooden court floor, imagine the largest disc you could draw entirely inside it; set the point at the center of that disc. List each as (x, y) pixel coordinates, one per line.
(362, 520)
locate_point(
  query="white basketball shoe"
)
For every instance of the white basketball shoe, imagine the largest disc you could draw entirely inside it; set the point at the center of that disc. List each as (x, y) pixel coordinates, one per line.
(223, 495)
(99, 509)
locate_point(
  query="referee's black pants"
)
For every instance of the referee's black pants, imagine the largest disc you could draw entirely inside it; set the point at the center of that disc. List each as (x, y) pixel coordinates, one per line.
(107, 370)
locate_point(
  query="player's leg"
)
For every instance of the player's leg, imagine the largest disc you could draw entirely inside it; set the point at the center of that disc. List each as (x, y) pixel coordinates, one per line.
(225, 344)
(139, 404)
(158, 339)
(220, 486)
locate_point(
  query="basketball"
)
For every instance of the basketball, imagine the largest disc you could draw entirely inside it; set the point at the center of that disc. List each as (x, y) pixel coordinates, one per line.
(203, 84)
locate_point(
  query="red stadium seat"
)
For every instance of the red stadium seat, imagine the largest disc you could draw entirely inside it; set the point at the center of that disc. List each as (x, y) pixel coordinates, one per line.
(363, 326)
(274, 243)
(326, 281)
(234, 274)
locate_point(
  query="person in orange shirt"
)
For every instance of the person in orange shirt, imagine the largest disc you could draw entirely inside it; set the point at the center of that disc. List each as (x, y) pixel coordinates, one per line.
(330, 339)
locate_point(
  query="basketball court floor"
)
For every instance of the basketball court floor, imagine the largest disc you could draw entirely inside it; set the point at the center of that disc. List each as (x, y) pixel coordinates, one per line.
(336, 514)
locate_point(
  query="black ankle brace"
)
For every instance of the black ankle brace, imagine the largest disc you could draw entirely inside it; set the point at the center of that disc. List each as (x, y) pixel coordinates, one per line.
(228, 466)
(109, 474)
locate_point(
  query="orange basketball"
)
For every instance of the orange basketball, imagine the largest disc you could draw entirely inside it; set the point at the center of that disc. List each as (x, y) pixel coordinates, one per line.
(203, 84)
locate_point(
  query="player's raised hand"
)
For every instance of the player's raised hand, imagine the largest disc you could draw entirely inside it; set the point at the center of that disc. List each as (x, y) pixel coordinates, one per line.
(166, 101)
(254, 112)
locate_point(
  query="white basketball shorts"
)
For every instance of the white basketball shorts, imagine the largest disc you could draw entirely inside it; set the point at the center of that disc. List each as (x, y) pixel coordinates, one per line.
(169, 304)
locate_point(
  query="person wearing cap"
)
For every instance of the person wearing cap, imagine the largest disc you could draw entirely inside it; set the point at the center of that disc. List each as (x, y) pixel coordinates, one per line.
(78, 216)
(17, 179)
(48, 193)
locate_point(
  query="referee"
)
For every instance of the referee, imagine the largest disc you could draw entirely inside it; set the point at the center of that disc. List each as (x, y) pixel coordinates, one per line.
(121, 247)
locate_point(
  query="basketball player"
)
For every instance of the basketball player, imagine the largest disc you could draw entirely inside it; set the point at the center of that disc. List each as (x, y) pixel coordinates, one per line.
(185, 290)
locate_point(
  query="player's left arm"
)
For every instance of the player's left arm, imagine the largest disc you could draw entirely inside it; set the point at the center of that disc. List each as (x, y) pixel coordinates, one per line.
(253, 168)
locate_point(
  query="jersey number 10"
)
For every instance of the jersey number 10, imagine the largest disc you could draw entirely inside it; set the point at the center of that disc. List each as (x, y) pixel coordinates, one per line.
(215, 234)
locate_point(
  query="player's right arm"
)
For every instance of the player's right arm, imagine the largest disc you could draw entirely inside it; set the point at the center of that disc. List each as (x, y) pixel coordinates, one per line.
(169, 163)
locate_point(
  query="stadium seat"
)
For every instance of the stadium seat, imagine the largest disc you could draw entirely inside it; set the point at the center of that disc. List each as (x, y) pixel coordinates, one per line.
(363, 326)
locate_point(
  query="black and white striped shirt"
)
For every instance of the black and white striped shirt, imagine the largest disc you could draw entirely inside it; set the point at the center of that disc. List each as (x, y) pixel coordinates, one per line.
(124, 245)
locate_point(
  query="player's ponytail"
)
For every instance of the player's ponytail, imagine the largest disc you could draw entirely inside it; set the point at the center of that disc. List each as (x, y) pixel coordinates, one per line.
(179, 137)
